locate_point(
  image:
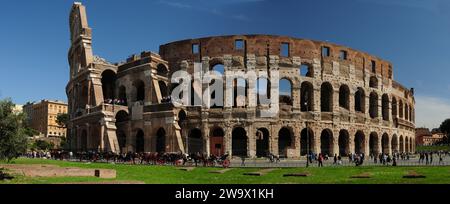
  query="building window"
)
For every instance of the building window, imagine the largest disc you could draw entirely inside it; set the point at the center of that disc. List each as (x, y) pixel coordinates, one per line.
(374, 66)
(195, 48)
(343, 55)
(325, 51)
(239, 44)
(285, 49)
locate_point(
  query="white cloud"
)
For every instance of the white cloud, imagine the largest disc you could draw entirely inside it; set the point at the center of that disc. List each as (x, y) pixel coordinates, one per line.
(431, 111)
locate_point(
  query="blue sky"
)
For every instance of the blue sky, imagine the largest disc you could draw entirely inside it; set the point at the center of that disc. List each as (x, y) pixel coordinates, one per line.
(413, 34)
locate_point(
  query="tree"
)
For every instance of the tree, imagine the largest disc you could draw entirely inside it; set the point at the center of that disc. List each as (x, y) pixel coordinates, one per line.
(62, 119)
(13, 134)
(445, 128)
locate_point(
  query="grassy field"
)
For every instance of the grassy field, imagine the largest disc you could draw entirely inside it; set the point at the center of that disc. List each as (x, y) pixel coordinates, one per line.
(171, 175)
(433, 148)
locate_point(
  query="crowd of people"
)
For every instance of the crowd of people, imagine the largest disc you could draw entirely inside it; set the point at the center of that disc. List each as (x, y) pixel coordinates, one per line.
(427, 157)
(121, 102)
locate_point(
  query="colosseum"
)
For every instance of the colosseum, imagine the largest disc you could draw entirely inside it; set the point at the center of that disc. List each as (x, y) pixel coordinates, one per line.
(338, 100)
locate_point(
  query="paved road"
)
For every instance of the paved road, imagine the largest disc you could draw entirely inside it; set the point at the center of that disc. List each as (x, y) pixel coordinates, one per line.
(345, 162)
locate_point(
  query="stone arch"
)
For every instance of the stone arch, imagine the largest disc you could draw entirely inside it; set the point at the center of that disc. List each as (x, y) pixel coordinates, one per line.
(263, 87)
(163, 89)
(407, 144)
(326, 97)
(406, 111)
(262, 142)
(411, 149)
(161, 140)
(195, 141)
(285, 86)
(182, 116)
(123, 95)
(394, 144)
(344, 142)
(360, 100)
(109, 78)
(402, 144)
(306, 70)
(360, 142)
(307, 97)
(220, 69)
(285, 141)
(121, 139)
(305, 135)
(373, 83)
(216, 141)
(239, 142)
(385, 143)
(373, 105)
(394, 107)
(400, 108)
(84, 140)
(385, 107)
(326, 142)
(344, 97)
(140, 141)
(216, 63)
(162, 70)
(139, 87)
(373, 144)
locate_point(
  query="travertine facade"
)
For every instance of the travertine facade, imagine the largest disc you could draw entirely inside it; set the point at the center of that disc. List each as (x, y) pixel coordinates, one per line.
(348, 100)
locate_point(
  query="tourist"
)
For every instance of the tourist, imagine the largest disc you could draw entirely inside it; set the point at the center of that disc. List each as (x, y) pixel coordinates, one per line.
(335, 159)
(320, 160)
(431, 158)
(426, 158)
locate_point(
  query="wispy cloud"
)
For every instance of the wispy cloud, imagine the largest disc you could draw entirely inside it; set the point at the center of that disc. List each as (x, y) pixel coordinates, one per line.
(212, 7)
(431, 111)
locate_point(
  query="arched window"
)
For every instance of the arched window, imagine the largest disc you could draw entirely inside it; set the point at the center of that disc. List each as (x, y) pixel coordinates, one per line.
(285, 92)
(240, 92)
(123, 96)
(373, 144)
(263, 91)
(394, 107)
(306, 141)
(326, 142)
(344, 143)
(344, 97)
(373, 105)
(108, 84)
(239, 142)
(360, 100)
(360, 142)
(284, 141)
(326, 99)
(307, 97)
(373, 83)
(163, 89)
(140, 90)
(385, 107)
(306, 70)
(162, 70)
(400, 108)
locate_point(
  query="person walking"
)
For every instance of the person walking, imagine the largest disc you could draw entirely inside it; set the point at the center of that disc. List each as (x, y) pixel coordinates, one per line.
(431, 158)
(320, 160)
(426, 158)
(335, 159)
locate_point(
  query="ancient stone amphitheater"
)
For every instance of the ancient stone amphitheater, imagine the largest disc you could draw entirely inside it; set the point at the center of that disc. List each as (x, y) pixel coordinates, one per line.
(336, 100)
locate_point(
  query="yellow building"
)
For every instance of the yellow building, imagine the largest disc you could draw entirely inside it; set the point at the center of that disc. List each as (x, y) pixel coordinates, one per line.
(42, 117)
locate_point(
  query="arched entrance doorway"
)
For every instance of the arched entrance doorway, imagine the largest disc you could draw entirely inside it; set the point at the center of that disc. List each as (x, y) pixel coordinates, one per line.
(344, 143)
(394, 144)
(161, 140)
(262, 142)
(84, 141)
(306, 135)
(239, 142)
(195, 141)
(360, 141)
(284, 141)
(373, 144)
(326, 142)
(385, 143)
(216, 142)
(140, 143)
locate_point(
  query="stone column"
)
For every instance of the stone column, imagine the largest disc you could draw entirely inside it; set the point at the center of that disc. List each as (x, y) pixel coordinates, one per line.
(251, 141)
(335, 142)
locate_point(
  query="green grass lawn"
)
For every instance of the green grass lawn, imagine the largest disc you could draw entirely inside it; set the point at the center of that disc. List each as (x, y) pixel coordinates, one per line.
(433, 148)
(171, 175)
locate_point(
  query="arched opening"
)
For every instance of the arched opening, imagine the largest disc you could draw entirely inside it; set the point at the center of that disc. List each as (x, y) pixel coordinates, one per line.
(262, 142)
(263, 93)
(284, 141)
(161, 141)
(306, 135)
(373, 105)
(123, 96)
(360, 100)
(122, 116)
(394, 144)
(344, 143)
(326, 142)
(373, 83)
(394, 107)
(373, 144)
(344, 97)
(240, 92)
(122, 140)
(239, 142)
(360, 142)
(406, 144)
(195, 141)
(306, 70)
(140, 90)
(410, 144)
(385, 107)
(140, 143)
(84, 141)
(220, 69)
(108, 84)
(285, 92)
(307, 97)
(402, 146)
(385, 143)
(326, 97)
(406, 112)
(181, 117)
(196, 89)
(216, 142)
(162, 70)
(400, 108)
(163, 89)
